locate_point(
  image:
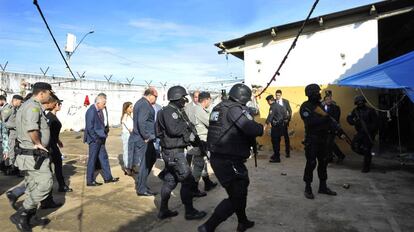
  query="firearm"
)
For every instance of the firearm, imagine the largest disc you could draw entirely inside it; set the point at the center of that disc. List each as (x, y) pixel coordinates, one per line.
(254, 146)
(335, 123)
(39, 156)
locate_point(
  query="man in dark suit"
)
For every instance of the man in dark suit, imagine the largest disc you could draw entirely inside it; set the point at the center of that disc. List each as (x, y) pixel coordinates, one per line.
(335, 112)
(141, 140)
(95, 136)
(285, 103)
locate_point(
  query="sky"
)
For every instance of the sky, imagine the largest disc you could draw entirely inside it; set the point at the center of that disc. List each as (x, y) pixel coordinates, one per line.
(149, 40)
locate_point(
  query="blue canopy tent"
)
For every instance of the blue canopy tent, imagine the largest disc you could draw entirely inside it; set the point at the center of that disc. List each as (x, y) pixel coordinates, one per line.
(397, 73)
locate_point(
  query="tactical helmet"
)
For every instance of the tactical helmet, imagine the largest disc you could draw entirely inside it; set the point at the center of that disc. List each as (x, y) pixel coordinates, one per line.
(312, 89)
(240, 93)
(176, 93)
(359, 99)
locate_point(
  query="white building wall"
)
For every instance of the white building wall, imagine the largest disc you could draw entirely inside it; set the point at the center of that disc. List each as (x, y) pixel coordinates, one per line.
(320, 57)
(73, 95)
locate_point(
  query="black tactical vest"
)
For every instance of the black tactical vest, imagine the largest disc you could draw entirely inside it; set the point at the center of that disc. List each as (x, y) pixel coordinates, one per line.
(167, 141)
(223, 135)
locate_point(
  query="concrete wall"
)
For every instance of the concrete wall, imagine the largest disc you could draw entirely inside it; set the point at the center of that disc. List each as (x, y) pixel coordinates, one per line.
(321, 58)
(73, 94)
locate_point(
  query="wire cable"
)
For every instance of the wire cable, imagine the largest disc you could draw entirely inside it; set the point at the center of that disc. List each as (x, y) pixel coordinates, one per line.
(53, 37)
(277, 73)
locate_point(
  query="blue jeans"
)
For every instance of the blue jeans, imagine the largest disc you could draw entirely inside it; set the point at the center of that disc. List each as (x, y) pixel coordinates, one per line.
(125, 138)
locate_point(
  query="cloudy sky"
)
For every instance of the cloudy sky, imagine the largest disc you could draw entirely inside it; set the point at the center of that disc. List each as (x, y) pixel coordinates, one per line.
(150, 40)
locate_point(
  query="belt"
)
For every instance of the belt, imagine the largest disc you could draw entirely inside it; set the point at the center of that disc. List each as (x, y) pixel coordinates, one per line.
(178, 150)
(27, 151)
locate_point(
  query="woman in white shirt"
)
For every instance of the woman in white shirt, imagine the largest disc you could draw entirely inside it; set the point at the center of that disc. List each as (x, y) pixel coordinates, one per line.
(127, 126)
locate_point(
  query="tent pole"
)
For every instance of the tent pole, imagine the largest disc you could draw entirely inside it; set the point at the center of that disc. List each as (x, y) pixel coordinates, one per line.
(398, 127)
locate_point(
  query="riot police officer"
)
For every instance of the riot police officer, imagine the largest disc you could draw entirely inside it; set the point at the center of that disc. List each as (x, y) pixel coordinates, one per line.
(33, 136)
(176, 133)
(231, 133)
(317, 126)
(365, 121)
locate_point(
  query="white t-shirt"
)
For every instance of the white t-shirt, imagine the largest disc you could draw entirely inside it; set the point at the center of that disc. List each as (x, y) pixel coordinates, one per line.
(127, 123)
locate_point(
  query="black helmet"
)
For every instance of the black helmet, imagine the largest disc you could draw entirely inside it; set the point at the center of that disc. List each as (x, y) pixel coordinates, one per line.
(359, 99)
(312, 89)
(176, 93)
(240, 93)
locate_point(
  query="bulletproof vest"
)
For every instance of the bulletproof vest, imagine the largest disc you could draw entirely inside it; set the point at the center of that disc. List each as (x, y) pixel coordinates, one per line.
(223, 135)
(320, 129)
(364, 115)
(167, 115)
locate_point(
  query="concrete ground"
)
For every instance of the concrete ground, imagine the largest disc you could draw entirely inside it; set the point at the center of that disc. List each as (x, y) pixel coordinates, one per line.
(382, 200)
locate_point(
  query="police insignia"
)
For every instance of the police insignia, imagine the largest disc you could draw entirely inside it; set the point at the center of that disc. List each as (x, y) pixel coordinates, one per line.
(248, 116)
(214, 116)
(35, 110)
(174, 115)
(305, 114)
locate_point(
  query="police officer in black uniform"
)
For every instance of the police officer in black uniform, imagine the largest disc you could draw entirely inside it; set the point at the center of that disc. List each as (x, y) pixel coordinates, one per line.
(317, 126)
(174, 130)
(365, 121)
(231, 133)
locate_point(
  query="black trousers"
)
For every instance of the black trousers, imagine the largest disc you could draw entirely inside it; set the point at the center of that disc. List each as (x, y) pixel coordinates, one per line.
(234, 177)
(316, 155)
(177, 170)
(56, 159)
(276, 134)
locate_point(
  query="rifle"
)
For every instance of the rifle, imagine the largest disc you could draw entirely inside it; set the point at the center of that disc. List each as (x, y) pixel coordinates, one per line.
(337, 126)
(255, 152)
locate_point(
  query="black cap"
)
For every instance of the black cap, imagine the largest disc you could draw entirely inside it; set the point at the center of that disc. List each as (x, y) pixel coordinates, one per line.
(18, 97)
(203, 95)
(53, 95)
(42, 86)
(269, 97)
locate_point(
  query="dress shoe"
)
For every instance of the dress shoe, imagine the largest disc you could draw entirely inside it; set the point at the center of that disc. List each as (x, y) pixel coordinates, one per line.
(146, 194)
(199, 194)
(65, 189)
(50, 205)
(112, 180)
(167, 214)
(12, 199)
(195, 214)
(93, 184)
(152, 192)
(244, 226)
(327, 191)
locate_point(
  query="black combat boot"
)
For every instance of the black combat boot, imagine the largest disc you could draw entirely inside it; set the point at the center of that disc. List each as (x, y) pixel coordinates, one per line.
(49, 203)
(211, 224)
(243, 226)
(22, 219)
(193, 214)
(308, 191)
(208, 184)
(165, 212)
(323, 189)
(12, 199)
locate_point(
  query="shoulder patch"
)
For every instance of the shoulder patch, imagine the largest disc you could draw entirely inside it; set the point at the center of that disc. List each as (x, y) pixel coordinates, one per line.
(35, 110)
(305, 114)
(174, 115)
(248, 116)
(214, 116)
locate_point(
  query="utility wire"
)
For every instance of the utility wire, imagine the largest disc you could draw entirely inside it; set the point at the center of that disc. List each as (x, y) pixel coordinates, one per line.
(53, 37)
(277, 73)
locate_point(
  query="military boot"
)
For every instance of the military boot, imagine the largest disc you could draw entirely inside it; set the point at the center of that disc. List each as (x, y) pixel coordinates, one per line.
(308, 192)
(323, 189)
(22, 219)
(243, 226)
(208, 184)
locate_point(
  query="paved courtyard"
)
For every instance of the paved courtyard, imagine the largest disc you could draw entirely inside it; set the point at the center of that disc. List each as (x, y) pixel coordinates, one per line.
(378, 201)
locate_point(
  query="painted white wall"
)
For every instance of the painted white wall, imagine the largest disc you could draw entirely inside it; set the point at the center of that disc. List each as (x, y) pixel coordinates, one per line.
(73, 95)
(317, 56)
